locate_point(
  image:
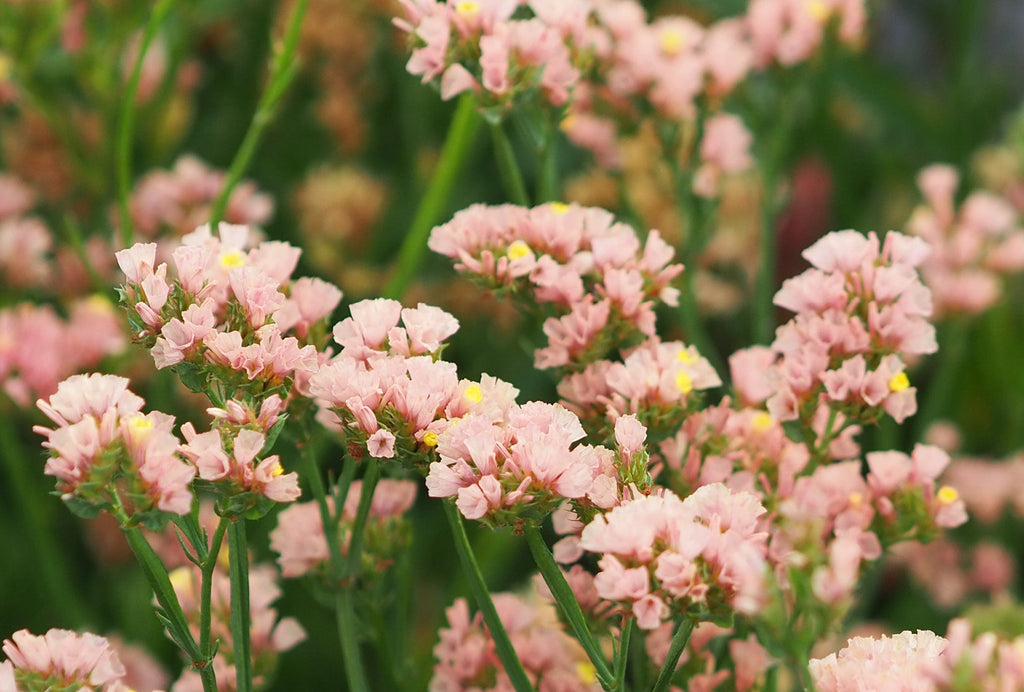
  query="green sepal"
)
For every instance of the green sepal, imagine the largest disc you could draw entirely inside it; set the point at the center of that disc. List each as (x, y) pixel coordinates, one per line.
(192, 376)
(80, 507)
(273, 434)
(251, 505)
(154, 519)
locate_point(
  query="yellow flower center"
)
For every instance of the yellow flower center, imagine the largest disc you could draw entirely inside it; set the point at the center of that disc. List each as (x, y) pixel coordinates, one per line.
(518, 249)
(685, 356)
(467, 8)
(856, 499)
(474, 393)
(278, 470)
(761, 422)
(181, 579)
(819, 9)
(559, 207)
(684, 382)
(947, 495)
(568, 122)
(586, 672)
(430, 439)
(232, 259)
(899, 382)
(99, 303)
(671, 41)
(139, 427)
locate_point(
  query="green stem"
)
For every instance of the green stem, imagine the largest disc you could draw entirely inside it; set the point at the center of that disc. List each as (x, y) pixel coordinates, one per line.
(939, 393)
(126, 120)
(206, 598)
(693, 323)
(456, 149)
(508, 168)
(502, 644)
(29, 504)
(348, 633)
(675, 650)
(283, 69)
(568, 604)
(547, 182)
(355, 545)
(622, 655)
(238, 554)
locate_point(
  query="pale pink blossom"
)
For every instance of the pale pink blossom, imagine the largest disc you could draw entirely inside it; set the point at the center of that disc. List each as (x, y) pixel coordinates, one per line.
(64, 658)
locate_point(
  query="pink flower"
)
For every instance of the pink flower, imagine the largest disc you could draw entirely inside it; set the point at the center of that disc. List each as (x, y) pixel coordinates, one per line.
(900, 663)
(62, 657)
(381, 444)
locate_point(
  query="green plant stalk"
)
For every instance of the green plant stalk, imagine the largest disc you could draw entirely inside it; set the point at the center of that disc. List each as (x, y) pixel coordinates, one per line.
(283, 68)
(548, 189)
(29, 505)
(622, 655)
(508, 168)
(206, 597)
(675, 650)
(344, 610)
(458, 143)
(238, 554)
(126, 121)
(568, 604)
(482, 595)
(355, 545)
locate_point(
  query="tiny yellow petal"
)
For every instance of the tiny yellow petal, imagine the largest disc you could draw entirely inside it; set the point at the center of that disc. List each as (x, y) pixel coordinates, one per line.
(467, 8)
(684, 382)
(559, 207)
(947, 495)
(685, 356)
(278, 470)
(586, 672)
(762, 421)
(819, 9)
(474, 393)
(899, 382)
(181, 579)
(100, 303)
(671, 41)
(430, 439)
(518, 249)
(856, 499)
(233, 259)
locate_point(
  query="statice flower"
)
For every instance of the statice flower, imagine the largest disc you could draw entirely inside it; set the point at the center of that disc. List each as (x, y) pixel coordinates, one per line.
(522, 467)
(269, 635)
(60, 660)
(480, 47)
(552, 659)
(602, 282)
(661, 556)
(301, 545)
(233, 314)
(790, 31)
(860, 311)
(104, 445)
(905, 662)
(973, 246)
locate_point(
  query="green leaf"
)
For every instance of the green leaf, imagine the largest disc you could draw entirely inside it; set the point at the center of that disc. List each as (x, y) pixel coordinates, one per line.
(192, 376)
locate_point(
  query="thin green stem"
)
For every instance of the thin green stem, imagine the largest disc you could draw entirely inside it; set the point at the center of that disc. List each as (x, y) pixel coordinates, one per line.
(29, 504)
(482, 595)
(675, 650)
(457, 146)
(568, 604)
(126, 120)
(355, 545)
(622, 655)
(547, 181)
(508, 167)
(238, 554)
(283, 68)
(206, 597)
(348, 633)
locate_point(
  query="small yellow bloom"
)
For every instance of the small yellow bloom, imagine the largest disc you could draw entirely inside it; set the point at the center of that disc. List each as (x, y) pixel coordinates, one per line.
(518, 249)
(762, 421)
(474, 393)
(586, 672)
(685, 356)
(467, 8)
(139, 427)
(233, 259)
(99, 303)
(947, 495)
(278, 470)
(181, 579)
(899, 382)
(430, 439)
(559, 207)
(567, 123)
(819, 9)
(671, 41)
(684, 382)
(856, 500)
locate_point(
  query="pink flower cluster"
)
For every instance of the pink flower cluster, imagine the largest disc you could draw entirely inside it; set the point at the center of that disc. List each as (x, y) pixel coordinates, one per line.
(579, 260)
(269, 635)
(240, 471)
(972, 247)
(59, 660)
(553, 660)
(103, 444)
(34, 356)
(479, 47)
(705, 555)
(299, 537)
(657, 381)
(387, 386)
(905, 662)
(231, 308)
(860, 310)
(176, 201)
(791, 31)
(704, 662)
(524, 465)
(25, 241)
